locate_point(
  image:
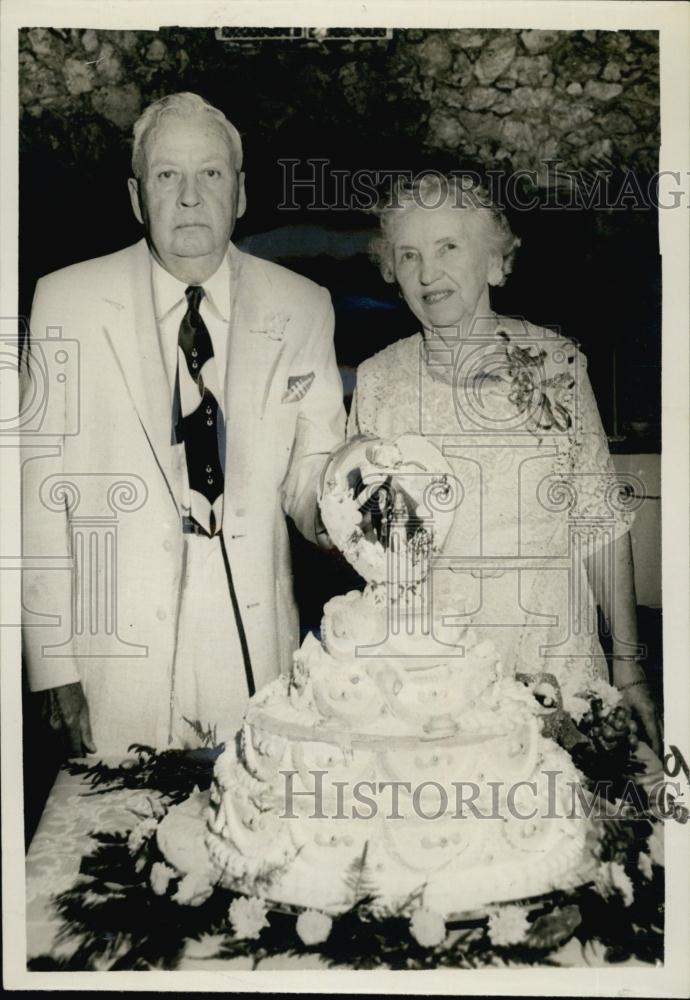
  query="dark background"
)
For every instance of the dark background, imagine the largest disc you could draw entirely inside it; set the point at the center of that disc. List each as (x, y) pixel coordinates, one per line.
(486, 100)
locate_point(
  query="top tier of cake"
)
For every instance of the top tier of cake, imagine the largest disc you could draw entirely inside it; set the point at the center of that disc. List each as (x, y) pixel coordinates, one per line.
(385, 672)
(408, 488)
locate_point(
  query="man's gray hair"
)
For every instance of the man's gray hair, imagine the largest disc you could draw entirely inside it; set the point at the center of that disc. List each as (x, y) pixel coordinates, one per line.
(183, 105)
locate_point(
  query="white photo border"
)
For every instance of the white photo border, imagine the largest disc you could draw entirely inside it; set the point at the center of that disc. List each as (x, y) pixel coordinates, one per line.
(672, 20)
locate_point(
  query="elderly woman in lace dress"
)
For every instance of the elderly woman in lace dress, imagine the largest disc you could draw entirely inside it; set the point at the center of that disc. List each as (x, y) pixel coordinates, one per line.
(540, 535)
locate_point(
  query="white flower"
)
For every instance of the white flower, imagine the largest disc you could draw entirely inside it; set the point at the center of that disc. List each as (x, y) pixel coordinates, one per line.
(160, 877)
(193, 890)
(609, 696)
(611, 875)
(655, 844)
(142, 832)
(427, 927)
(247, 916)
(621, 881)
(602, 880)
(509, 925)
(313, 927)
(644, 863)
(379, 909)
(576, 706)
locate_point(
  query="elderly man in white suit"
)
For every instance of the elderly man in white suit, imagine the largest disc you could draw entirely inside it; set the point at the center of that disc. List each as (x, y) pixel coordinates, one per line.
(175, 620)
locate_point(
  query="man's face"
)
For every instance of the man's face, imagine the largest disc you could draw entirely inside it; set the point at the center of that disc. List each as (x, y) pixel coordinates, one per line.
(189, 196)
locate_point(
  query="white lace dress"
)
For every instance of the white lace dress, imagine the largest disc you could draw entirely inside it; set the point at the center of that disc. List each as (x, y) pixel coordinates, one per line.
(518, 422)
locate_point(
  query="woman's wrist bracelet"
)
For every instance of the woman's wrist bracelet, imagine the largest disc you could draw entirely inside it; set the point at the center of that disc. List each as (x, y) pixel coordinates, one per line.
(630, 684)
(630, 658)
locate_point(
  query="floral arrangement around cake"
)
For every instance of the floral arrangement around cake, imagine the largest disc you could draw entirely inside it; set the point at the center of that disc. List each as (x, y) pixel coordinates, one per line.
(131, 910)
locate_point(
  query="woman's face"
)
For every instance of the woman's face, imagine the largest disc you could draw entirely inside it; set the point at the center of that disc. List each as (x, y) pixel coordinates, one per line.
(442, 264)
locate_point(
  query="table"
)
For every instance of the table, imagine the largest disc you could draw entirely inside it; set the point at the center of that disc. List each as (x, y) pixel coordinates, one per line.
(62, 838)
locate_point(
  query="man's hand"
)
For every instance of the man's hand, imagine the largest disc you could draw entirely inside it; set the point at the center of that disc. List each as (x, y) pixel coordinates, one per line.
(638, 699)
(68, 715)
(323, 541)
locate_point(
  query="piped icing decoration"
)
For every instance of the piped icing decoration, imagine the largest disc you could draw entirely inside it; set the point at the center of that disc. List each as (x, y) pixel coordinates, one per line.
(397, 690)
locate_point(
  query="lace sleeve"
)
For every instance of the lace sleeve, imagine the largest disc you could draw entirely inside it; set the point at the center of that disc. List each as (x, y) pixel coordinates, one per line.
(602, 497)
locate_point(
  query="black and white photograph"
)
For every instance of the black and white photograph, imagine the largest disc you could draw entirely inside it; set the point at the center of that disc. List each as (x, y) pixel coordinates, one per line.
(345, 542)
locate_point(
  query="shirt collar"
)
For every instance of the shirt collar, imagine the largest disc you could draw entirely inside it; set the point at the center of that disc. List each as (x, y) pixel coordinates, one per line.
(168, 291)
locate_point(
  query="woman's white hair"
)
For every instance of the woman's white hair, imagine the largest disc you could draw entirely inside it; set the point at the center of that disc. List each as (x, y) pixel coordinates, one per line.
(183, 105)
(430, 190)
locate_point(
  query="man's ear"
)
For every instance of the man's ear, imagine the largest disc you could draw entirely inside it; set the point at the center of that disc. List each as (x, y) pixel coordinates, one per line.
(133, 186)
(241, 195)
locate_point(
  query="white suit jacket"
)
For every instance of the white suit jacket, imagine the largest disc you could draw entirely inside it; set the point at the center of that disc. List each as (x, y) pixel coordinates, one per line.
(101, 486)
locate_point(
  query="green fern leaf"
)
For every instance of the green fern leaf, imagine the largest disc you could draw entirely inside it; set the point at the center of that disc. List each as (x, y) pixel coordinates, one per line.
(358, 878)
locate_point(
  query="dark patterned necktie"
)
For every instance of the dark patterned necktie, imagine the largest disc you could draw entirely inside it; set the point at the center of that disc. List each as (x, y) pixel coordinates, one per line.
(198, 417)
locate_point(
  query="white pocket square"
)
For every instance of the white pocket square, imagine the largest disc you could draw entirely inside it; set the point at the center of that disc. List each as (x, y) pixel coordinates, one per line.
(297, 387)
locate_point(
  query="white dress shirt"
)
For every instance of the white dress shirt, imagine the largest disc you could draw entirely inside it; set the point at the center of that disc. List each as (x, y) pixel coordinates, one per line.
(209, 683)
(170, 306)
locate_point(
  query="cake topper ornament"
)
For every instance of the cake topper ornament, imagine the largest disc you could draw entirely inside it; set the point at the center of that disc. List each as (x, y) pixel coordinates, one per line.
(409, 493)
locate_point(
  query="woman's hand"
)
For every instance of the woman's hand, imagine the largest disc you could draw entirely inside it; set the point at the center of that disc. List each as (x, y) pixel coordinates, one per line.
(638, 699)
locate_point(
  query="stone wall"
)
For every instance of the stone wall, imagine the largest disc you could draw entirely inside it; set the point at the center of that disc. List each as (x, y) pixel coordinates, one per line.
(497, 97)
(518, 98)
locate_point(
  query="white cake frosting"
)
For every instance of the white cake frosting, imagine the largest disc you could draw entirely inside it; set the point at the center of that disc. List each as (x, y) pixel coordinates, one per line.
(394, 699)
(409, 714)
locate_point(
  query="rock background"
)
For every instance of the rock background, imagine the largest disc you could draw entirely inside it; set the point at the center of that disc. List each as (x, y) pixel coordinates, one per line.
(500, 97)
(522, 97)
(502, 100)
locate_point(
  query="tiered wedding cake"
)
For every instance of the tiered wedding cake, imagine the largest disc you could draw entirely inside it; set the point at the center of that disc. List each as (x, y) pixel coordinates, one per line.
(397, 758)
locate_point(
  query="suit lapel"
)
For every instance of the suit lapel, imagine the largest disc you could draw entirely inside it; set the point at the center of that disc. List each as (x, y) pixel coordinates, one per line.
(135, 342)
(255, 348)
(252, 359)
